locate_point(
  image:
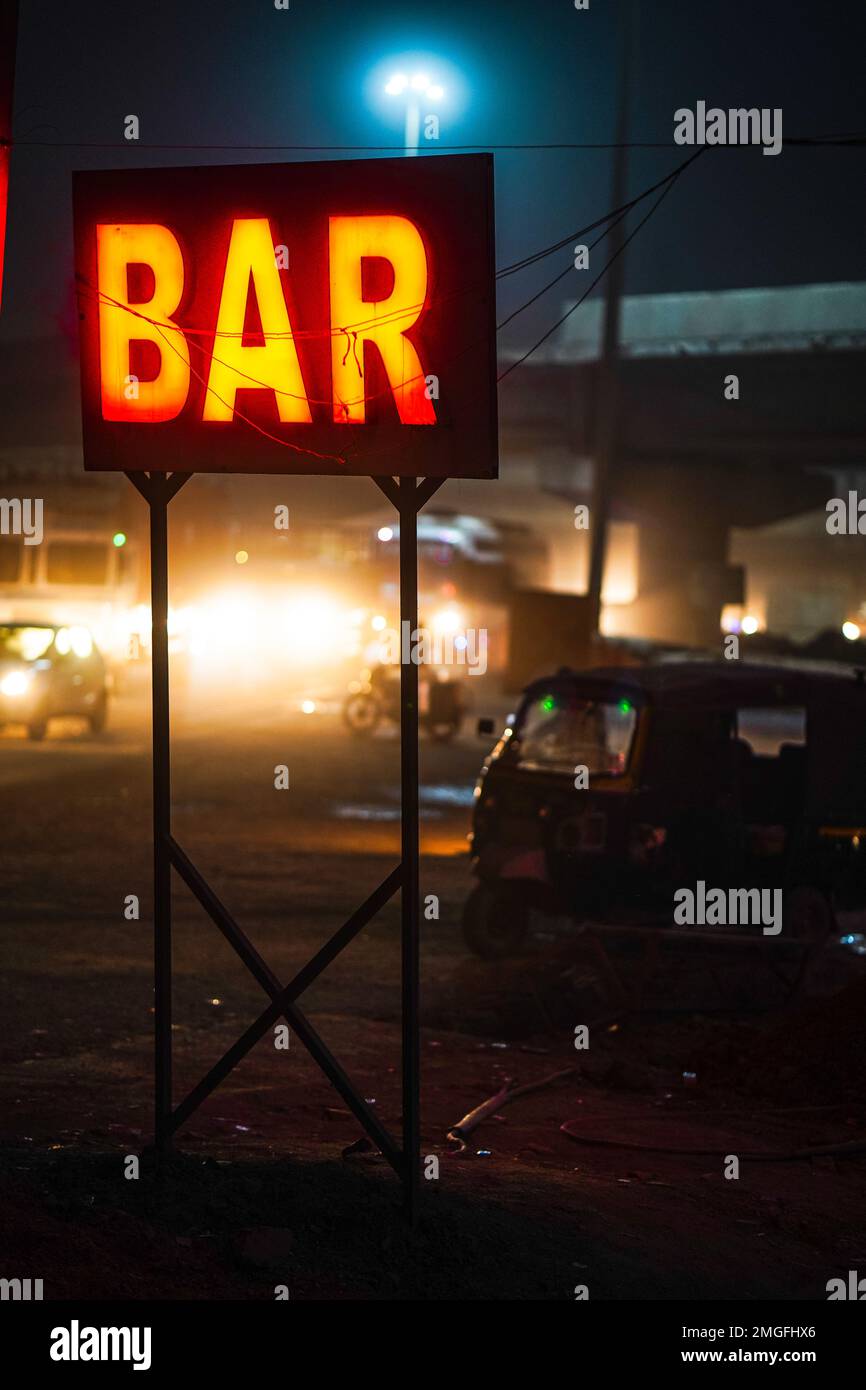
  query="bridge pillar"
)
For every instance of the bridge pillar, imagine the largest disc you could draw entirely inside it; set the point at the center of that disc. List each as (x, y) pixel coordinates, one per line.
(684, 579)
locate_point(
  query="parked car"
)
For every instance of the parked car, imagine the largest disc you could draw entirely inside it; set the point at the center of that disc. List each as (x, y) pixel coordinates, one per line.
(614, 787)
(47, 671)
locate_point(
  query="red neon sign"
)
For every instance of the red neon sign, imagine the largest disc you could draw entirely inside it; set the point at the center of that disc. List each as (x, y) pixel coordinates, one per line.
(8, 31)
(289, 318)
(4, 198)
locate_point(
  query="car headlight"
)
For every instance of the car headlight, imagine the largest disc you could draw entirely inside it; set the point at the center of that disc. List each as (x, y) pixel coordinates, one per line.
(15, 683)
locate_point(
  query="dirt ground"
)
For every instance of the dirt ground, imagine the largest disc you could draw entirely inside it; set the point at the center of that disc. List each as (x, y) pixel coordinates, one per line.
(633, 1203)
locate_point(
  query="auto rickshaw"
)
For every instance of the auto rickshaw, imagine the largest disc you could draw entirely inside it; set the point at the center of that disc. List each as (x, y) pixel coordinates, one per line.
(611, 789)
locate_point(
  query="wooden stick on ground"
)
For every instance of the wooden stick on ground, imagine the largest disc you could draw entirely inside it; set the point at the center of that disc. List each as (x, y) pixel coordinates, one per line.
(458, 1135)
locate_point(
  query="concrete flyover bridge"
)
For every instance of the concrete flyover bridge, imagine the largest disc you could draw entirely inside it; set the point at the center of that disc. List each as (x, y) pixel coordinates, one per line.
(697, 456)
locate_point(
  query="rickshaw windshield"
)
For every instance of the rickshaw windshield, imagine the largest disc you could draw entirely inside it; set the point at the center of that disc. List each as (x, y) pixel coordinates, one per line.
(561, 731)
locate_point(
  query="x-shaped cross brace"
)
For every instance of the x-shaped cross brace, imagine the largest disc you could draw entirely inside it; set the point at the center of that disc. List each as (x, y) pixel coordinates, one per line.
(408, 497)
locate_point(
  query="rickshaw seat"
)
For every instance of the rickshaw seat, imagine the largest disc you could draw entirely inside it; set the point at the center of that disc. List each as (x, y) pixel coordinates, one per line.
(771, 787)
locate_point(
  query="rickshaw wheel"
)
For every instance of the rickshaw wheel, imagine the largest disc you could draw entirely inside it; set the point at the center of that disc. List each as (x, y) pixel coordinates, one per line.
(809, 915)
(494, 923)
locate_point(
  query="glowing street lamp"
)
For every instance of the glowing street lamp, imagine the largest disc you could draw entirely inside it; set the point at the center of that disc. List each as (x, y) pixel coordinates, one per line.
(413, 89)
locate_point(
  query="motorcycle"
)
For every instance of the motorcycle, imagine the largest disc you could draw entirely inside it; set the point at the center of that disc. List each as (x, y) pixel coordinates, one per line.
(377, 701)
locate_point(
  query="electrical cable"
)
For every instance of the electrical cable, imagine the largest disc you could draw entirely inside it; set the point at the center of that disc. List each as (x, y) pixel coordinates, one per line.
(646, 217)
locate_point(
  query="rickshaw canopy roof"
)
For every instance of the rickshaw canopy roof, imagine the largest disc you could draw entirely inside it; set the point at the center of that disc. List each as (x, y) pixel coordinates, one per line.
(713, 685)
(834, 705)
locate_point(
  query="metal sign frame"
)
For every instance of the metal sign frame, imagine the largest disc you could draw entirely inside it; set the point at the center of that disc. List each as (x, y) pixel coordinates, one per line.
(335, 214)
(408, 496)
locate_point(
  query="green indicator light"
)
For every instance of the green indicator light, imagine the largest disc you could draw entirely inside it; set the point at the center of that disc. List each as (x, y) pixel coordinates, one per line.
(118, 539)
(625, 707)
(548, 703)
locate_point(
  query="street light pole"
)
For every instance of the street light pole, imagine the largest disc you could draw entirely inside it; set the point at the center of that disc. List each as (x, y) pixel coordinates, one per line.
(414, 88)
(413, 127)
(606, 440)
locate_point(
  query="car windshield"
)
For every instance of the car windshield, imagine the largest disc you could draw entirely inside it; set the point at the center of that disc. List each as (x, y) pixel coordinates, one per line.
(25, 643)
(562, 731)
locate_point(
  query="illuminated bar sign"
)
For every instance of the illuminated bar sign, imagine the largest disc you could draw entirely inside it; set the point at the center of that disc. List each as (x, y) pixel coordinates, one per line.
(290, 318)
(8, 28)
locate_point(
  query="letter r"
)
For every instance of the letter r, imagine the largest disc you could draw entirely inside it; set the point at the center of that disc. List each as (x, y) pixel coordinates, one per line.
(384, 322)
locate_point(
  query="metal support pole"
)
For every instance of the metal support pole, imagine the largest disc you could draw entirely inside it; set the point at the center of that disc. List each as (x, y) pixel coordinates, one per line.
(410, 895)
(158, 500)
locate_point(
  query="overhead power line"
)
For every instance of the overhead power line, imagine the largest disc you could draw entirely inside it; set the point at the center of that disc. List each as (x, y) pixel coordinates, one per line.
(855, 139)
(632, 234)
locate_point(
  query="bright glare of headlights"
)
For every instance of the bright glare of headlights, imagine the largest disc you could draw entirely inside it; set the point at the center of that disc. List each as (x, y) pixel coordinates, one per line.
(82, 642)
(255, 636)
(851, 631)
(35, 641)
(312, 628)
(308, 706)
(74, 639)
(134, 629)
(447, 620)
(15, 683)
(385, 533)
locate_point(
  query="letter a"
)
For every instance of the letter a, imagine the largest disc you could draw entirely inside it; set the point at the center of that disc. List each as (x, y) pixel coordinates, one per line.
(274, 367)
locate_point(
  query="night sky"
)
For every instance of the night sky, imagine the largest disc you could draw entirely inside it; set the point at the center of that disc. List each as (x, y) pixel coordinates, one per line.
(231, 72)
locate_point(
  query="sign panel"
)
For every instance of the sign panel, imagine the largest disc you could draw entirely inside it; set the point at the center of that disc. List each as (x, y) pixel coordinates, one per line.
(8, 30)
(290, 318)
